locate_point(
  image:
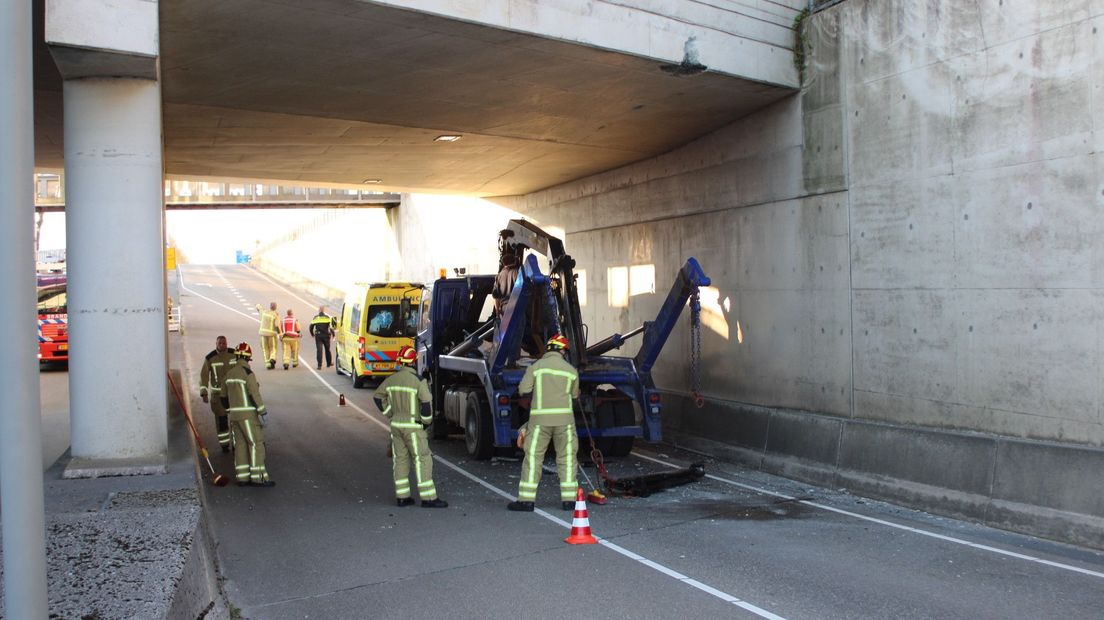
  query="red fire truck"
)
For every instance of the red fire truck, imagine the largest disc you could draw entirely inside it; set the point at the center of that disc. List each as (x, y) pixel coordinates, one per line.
(53, 323)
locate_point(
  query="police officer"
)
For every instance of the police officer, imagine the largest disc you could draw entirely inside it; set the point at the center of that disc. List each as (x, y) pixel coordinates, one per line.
(290, 336)
(321, 327)
(270, 329)
(404, 398)
(554, 383)
(211, 376)
(245, 410)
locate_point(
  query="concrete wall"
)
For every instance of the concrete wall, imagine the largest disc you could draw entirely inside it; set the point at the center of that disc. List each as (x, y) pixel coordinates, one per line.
(905, 262)
(326, 256)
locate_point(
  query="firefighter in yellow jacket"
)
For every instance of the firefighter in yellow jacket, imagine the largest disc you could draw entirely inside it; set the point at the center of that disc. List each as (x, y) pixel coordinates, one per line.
(246, 408)
(554, 383)
(211, 376)
(269, 331)
(290, 335)
(404, 398)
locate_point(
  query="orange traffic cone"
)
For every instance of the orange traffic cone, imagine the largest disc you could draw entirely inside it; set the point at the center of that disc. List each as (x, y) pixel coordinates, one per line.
(580, 525)
(341, 400)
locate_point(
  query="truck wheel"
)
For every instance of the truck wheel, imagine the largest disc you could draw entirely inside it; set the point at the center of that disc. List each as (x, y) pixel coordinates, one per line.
(478, 434)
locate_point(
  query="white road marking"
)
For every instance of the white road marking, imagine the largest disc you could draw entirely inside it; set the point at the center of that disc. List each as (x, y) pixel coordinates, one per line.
(943, 537)
(724, 596)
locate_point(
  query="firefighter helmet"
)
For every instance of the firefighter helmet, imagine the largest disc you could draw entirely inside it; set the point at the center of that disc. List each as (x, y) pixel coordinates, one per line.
(557, 342)
(244, 350)
(407, 355)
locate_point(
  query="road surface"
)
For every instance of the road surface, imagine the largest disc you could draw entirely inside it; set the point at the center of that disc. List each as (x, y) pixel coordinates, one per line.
(329, 542)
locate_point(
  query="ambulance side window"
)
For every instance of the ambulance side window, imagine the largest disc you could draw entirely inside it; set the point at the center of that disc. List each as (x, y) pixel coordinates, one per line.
(354, 321)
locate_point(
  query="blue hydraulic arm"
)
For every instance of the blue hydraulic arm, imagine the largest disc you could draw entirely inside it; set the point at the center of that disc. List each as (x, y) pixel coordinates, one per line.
(690, 277)
(512, 328)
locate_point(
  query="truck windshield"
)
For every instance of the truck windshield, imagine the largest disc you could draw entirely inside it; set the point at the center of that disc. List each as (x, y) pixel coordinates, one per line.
(51, 299)
(384, 321)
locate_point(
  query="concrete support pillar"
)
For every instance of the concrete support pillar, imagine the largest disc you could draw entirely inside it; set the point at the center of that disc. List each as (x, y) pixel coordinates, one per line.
(20, 423)
(115, 258)
(107, 53)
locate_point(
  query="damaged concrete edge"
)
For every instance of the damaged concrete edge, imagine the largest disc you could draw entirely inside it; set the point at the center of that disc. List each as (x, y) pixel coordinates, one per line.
(1002, 482)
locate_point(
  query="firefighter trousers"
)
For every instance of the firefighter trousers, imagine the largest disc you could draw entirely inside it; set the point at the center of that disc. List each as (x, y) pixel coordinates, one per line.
(536, 444)
(249, 449)
(291, 350)
(222, 423)
(409, 446)
(268, 348)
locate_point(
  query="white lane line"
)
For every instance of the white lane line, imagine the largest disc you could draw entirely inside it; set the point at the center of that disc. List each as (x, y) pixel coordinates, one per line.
(914, 530)
(217, 303)
(724, 596)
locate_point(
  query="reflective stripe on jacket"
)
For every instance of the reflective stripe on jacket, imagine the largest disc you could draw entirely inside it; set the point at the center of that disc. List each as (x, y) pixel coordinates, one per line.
(554, 382)
(213, 372)
(320, 325)
(242, 390)
(402, 394)
(270, 323)
(291, 327)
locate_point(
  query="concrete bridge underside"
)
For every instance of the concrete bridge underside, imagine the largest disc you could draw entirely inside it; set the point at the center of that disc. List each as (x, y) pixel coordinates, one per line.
(340, 91)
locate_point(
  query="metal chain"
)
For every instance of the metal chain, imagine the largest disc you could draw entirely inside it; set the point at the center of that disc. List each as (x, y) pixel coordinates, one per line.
(695, 350)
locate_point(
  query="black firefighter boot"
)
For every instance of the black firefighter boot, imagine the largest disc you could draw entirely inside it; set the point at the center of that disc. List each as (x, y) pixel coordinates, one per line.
(434, 503)
(520, 506)
(404, 501)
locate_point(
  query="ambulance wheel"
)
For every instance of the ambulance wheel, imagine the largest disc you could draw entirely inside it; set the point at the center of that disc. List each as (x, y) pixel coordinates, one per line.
(358, 381)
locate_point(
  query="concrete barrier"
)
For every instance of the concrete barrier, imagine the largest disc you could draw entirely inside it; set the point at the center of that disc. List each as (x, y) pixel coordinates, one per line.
(1041, 488)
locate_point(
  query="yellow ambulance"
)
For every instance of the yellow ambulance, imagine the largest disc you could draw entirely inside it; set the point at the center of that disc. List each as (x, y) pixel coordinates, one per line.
(374, 324)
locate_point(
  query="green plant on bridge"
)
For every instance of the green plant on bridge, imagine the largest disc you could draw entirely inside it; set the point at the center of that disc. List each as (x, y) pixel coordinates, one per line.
(801, 42)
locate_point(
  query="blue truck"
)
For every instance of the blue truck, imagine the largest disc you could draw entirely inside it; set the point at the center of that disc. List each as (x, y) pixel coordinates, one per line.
(474, 355)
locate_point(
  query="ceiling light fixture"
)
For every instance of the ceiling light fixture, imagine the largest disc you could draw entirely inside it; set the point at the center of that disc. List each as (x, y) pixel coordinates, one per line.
(447, 138)
(373, 181)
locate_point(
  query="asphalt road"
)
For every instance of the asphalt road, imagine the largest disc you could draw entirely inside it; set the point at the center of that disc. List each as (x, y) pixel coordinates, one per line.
(53, 386)
(329, 542)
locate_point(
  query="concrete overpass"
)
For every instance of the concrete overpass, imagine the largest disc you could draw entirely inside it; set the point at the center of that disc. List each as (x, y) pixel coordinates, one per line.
(346, 91)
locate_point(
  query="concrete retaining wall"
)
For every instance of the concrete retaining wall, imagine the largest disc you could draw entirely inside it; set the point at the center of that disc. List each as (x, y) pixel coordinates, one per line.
(905, 259)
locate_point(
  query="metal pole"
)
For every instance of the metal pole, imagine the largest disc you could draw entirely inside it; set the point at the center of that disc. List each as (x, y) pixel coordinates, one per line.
(21, 496)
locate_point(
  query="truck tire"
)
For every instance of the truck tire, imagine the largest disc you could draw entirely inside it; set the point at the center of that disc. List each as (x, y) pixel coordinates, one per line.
(478, 431)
